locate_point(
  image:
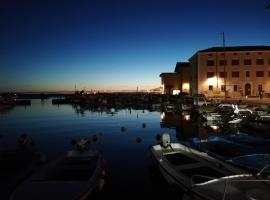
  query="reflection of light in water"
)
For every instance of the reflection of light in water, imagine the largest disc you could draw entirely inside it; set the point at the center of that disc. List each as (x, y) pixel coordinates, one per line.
(214, 127)
(162, 115)
(187, 117)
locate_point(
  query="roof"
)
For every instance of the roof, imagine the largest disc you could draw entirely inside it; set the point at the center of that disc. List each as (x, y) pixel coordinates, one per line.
(236, 48)
(179, 65)
(168, 74)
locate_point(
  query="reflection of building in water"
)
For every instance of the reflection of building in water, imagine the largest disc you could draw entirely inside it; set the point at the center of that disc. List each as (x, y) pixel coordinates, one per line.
(182, 122)
(186, 127)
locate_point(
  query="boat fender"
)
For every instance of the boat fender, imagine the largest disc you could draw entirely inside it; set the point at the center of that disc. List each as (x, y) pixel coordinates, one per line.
(165, 137)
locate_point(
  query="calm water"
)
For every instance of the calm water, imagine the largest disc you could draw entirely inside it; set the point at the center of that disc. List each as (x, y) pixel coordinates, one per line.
(130, 172)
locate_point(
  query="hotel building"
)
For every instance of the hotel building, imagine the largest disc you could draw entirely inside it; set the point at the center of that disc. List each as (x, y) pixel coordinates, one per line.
(240, 71)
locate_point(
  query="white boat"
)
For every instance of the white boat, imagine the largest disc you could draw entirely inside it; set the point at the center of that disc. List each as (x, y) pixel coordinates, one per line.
(205, 176)
(76, 175)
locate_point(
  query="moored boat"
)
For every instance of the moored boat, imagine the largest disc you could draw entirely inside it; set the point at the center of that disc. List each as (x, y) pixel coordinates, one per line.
(76, 175)
(205, 176)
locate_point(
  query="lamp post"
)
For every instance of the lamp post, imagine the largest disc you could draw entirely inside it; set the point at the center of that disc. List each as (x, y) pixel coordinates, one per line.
(224, 65)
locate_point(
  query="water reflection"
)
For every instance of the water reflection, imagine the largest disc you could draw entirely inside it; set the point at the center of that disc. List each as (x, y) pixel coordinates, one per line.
(124, 136)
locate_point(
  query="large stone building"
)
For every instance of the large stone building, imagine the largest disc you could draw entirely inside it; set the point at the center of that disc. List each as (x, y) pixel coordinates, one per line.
(240, 71)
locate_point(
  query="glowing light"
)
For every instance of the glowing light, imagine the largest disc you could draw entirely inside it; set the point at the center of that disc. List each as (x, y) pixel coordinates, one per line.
(162, 115)
(162, 88)
(212, 81)
(187, 117)
(185, 86)
(214, 127)
(176, 92)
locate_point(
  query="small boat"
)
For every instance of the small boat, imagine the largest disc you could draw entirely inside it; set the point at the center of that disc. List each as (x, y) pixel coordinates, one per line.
(76, 175)
(256, 163)
(17, 164)
(206, 177)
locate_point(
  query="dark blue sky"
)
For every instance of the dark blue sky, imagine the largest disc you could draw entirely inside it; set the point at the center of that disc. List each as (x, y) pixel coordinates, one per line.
(111, 44)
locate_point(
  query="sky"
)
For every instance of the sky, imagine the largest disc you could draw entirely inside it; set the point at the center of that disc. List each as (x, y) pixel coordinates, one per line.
(53, 45)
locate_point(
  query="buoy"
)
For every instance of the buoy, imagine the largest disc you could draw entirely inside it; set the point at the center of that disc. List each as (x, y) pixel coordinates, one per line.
(138, 140)
(158, 137)
(123, 129)
(94, 138)
(143, 125)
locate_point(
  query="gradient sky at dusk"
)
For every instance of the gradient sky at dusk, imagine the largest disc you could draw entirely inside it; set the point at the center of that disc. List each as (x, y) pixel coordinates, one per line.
(51, 45)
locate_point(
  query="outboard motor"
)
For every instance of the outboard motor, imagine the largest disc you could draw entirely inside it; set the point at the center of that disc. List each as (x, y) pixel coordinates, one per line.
(165, 138)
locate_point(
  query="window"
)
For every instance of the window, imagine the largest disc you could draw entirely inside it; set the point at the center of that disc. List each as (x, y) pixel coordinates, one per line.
(269, 61)
(235, 62)
(269, 73)
(260, 61)
(260, 53)
(223, 88)
(222, 74)
(235, 74)
(260, 87)
(259, 73)
(247, 74)
(247, 53)
(222, 62)
(235, 54)
(210, 63)
(209, 54)
(235, 88)
(210, 87)
(247, 62)
(210, 74)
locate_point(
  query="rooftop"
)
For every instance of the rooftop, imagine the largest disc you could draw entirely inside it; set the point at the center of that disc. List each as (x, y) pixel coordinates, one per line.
(179, 65)
(236, 48)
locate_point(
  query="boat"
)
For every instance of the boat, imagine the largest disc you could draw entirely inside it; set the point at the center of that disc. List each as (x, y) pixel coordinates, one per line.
(256, 163)
(220, 147)
(206, 177)
(76, 175)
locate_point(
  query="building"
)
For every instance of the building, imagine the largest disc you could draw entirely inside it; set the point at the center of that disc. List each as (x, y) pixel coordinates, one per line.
(228, 72)
(177, 81)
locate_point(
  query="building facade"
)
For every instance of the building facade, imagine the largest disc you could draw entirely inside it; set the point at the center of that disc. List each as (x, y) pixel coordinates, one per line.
(222, 72)
(231, 71)
(177, 81)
